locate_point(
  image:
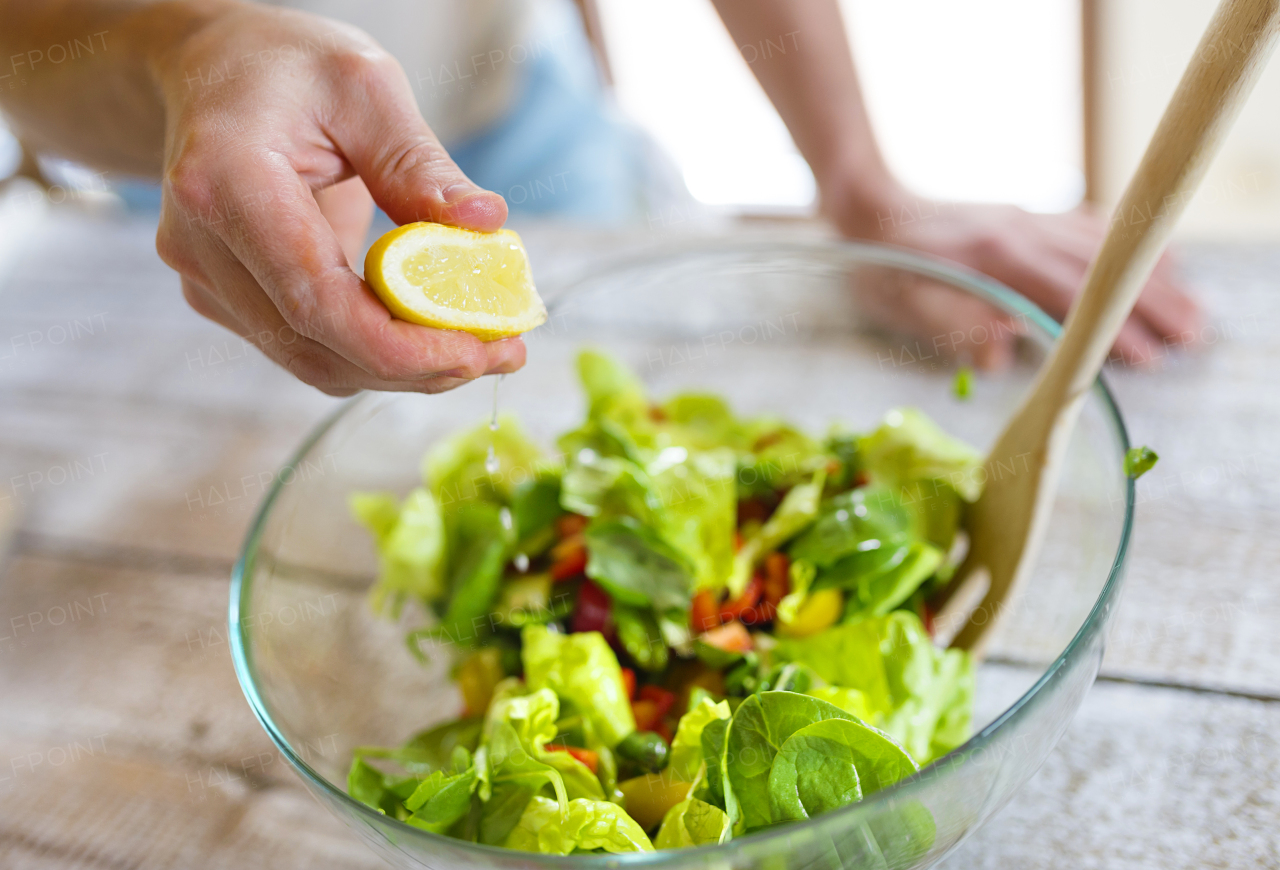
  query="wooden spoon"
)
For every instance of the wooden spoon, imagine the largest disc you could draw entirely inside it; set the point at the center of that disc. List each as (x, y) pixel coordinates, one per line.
(1009, 520)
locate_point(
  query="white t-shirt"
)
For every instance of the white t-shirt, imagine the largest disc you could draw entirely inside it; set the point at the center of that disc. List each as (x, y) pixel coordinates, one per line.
(462, 57)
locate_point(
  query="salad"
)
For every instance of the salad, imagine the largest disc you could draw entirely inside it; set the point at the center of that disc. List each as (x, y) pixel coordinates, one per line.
(686, 627)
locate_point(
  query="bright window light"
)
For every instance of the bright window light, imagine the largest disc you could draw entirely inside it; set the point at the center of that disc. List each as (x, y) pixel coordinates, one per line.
(976, 101)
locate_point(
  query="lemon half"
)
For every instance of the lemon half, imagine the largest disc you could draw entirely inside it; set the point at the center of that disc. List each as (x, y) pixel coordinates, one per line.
(456, 279)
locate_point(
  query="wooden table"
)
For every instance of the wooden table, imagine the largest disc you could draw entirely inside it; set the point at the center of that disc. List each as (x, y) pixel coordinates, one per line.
(124, 739)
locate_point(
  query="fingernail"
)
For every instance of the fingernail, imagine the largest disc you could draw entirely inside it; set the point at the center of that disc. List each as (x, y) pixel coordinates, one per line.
(457, 192)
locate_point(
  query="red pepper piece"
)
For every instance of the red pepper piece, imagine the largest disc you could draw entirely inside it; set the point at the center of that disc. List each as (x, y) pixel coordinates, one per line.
(661, 697)
(777, 582)
(733, 609)
(703, 615)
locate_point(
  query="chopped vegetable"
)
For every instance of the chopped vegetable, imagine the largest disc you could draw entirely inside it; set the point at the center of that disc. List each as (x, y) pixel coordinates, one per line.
(1138, 461)
(691, 627)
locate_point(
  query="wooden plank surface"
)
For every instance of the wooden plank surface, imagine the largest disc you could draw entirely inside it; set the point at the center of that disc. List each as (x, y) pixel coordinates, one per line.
(152, 410)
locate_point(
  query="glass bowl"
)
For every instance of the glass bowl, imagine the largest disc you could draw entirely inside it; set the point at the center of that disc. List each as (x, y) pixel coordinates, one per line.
(783, 327)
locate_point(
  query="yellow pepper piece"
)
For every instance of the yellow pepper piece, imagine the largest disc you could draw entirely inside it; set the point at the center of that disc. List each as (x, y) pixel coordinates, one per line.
(820, 610)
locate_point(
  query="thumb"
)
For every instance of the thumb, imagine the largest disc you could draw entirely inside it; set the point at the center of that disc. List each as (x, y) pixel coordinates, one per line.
(407, 170)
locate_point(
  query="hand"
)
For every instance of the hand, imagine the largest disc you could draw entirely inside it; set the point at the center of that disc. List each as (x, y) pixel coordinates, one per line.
(1042, 256)
(279, 127)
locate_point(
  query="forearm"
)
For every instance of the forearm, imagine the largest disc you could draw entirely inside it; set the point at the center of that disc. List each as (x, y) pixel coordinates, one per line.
(82, 78)
(799, 52)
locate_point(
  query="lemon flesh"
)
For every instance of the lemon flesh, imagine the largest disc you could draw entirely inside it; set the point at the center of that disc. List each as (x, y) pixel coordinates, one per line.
(450, 278)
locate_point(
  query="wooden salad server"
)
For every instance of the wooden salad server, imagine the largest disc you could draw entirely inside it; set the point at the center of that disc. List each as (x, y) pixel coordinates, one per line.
(1007, 523)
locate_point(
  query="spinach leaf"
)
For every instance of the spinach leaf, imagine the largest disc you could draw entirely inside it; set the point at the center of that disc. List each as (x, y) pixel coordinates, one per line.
(441, 800)
(814, 772)
(637, 567)
(884, 589)
(368, 785)
(798, 509)
(758, 729)
(500, 814)
(476, 567)
(811, 773)
(855, 522)
(535, 505)
(641, 637)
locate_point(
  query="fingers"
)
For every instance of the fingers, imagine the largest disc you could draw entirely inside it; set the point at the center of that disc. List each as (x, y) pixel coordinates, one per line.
(292, 255)
(410, 175)
(253, 316)
(943, 321)
(348, 208)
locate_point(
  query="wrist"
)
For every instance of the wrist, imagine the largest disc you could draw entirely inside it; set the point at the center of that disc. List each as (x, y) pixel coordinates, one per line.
(166, 32)
(861, 201)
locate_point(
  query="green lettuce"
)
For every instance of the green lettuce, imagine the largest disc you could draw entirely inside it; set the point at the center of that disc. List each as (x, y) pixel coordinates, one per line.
(686, 745)
(511, 761)
(457, 468)
(919, 695)
(586, 826)
(581, 669)
(411, 546)
(692, 823)
(432, 749)
(698, 511)
(929, 473)
(909, 447)
(799, 508)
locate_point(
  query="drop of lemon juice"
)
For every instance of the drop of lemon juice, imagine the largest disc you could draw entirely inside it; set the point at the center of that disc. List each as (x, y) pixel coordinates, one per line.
(491, 463)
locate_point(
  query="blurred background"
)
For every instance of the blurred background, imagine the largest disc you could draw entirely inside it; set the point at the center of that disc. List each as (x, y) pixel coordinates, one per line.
(1043, 104)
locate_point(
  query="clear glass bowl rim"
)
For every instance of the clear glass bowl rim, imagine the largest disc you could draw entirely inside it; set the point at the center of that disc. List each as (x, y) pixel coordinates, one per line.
(668, 252)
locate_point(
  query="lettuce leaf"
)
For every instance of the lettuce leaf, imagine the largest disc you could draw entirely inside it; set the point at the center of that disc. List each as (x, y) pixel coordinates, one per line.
(411, 546)
(698, 509)
(932, 689)
(919, 695)
(929, 473)
(909, 447)
(432, 749)
(686, 745)
(456, 468)
(798, 509)
(510, 760)
(586, 826)
(581, 669)
(692, 823)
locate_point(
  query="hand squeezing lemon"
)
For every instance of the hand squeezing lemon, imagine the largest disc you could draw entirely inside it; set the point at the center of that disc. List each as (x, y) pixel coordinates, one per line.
(450, 278)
